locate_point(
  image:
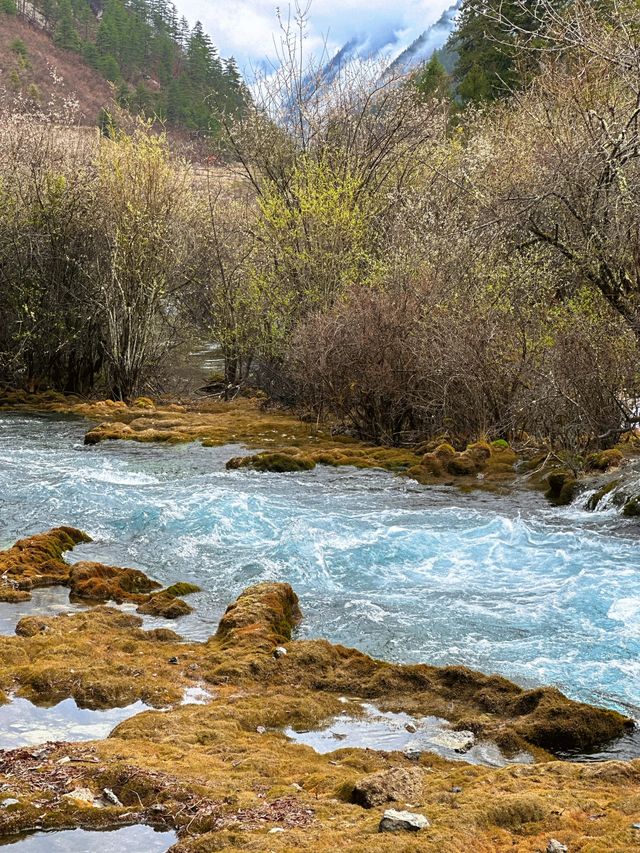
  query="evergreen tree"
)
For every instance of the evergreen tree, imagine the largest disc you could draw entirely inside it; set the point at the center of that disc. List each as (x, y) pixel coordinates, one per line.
(486, 67)
(65, 33)
(432, 79)
(160, 66)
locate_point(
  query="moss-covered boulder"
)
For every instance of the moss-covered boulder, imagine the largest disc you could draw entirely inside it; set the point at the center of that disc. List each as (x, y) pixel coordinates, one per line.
(97, 582)
(562, 487)
(603, 460)
(279, 463)
(631, 509)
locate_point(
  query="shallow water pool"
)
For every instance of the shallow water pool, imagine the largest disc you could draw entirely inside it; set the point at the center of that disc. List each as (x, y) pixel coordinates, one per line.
(501, 584)
(128, 839)
(25, 724)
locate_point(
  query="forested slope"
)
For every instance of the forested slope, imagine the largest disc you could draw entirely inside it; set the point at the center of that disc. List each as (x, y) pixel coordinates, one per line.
(155, 63)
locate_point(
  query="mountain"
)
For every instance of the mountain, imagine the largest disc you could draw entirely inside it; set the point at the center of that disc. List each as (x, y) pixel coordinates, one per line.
(431, 40)
(417, 53)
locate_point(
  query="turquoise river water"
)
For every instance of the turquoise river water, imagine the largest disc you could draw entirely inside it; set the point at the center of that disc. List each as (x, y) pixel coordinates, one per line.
(503, 584)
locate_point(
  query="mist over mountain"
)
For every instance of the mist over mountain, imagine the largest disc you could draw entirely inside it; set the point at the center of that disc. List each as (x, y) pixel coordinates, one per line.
(417, 52)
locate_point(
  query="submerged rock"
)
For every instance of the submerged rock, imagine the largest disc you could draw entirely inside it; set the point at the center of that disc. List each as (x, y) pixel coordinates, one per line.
(388, 786)
(393, 821)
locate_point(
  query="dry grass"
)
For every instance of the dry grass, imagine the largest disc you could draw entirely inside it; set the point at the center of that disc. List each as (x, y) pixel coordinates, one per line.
(76, 79)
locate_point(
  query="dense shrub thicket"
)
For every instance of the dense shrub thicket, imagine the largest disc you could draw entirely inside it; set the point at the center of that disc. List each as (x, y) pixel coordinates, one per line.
(388, 259)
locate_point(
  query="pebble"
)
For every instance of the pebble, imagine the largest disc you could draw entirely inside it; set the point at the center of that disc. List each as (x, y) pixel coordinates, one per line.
(412, 754)
(394, 821)
(635, 826)
(260, 729)
(456, 790)
(279, 652)
(110, 797)
(556, 847)
(411, 728)
(276, 829)
(173, 660)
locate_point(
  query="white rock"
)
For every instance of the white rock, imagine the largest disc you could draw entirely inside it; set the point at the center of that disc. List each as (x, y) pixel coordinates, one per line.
(394, 821)
(457, 741)
(81, 796)
(555, 847)
(110, 797)
(279, 652)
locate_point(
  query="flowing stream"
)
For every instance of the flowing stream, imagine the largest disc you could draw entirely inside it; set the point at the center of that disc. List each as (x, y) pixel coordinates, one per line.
(503, 584)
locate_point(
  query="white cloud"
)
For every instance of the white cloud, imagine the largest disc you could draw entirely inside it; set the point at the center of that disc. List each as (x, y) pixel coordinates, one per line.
(246, 29)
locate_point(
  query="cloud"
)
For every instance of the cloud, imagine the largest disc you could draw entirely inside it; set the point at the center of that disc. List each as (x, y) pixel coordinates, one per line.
(246, 29)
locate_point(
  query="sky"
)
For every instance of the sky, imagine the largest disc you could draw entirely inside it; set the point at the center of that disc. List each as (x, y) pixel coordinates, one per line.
(246, 29)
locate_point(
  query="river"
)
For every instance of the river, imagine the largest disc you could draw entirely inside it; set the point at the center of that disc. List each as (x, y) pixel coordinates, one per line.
(503, 584)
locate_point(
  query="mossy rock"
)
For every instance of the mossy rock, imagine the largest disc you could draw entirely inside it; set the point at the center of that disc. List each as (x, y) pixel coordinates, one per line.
(166, 606)
(632, 508)
(445, 451)
(13, 595)
(479, 451)
(278, 463)
(433, 464)
(177, 590)
(563, 487)
(604, 460)
(143, 403)
(97, 582)
(462, 465)
(596, 497)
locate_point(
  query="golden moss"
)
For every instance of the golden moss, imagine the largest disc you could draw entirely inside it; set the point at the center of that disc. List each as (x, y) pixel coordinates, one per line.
(37, 561)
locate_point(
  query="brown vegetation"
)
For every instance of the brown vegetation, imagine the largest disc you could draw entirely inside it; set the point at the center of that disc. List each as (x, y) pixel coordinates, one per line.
(50, 73)
(37, 561)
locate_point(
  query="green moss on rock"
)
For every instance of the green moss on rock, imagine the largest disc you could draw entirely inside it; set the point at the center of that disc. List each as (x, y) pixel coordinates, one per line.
(632, 508)
(278, 463)
(604, 460)
(562, 487)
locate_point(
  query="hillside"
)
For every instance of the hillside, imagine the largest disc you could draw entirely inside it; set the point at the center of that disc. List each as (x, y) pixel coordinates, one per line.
(139, 54)
(31, 73)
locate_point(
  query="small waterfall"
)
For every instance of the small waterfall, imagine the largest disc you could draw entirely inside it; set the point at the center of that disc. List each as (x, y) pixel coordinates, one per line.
(619, 490)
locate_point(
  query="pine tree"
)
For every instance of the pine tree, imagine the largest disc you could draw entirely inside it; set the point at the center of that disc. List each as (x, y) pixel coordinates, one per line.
(65, 33)
(432, 79)
(486, 67)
